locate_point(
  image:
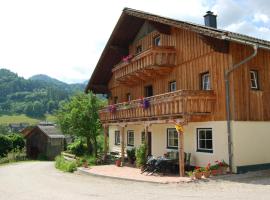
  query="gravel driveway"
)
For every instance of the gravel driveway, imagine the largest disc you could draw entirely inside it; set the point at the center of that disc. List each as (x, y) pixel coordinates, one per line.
(41, 181)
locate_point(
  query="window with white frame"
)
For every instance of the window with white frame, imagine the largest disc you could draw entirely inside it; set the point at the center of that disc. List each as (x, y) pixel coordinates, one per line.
(204, 140)
(130, 138)
(254, 79)
(157, 41)
(172, 86)
(117, 137)
(172, 138)
(205, 81)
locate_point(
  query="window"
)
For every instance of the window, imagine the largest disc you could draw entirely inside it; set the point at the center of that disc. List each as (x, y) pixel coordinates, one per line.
(172, 86)
(143, 137)
(204, 140)
(128, 97)
(172, 138)
(117, 137)
(130, 138)
(157, 41)
(148, 91)
(115, 100)
(138, 49)
(254, 79)
(205, 81)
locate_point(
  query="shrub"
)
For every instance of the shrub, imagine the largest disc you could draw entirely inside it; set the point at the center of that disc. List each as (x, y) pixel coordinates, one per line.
(5, 145)
(131, 155)
(77, 147)
(63, 165)
(141, 156)
(17, 141)
(91, 160)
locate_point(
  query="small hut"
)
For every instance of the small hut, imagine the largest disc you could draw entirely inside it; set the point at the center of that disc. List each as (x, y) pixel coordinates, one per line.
(44, 141)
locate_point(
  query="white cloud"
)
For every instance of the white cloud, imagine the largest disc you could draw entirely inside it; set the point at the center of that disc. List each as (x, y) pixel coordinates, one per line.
(261, 18)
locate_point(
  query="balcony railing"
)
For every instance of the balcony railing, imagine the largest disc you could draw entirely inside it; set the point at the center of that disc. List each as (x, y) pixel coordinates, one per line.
(156, 59)
(168, 105)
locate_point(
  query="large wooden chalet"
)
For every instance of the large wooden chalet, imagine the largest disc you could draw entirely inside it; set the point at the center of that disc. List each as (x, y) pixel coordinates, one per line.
(156, 70)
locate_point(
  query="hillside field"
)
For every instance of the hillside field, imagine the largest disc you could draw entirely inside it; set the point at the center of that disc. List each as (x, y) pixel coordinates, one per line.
(7, 119)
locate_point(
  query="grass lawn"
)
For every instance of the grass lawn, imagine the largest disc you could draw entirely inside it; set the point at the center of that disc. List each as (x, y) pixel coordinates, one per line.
(6, 119)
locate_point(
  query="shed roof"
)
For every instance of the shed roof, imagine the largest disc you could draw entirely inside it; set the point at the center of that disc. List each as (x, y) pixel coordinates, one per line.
(49, 131)
(125, 31)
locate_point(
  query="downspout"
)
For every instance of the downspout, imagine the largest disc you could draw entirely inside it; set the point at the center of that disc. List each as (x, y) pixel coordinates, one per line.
(227, 93)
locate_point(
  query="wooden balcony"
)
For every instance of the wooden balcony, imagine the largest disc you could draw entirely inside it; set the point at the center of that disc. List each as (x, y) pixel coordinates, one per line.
(165, 106)
(156, 61)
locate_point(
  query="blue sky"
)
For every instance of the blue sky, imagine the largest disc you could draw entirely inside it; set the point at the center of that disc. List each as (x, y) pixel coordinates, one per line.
(64, 38)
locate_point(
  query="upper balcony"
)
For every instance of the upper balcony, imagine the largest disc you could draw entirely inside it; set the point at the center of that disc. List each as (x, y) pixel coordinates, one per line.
(194, 103)
(156, 61)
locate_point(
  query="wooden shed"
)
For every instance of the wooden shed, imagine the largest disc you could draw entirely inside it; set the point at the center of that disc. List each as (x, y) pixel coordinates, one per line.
(44, 140)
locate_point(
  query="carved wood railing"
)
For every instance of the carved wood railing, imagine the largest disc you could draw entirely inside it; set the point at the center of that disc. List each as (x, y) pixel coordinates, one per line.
(168, 105)
(161, 56)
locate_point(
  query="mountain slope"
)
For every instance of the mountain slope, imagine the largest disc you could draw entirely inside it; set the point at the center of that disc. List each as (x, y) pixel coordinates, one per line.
(35, 96)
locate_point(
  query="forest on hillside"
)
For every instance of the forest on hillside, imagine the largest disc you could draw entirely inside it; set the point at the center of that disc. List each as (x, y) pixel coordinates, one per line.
(35, 96)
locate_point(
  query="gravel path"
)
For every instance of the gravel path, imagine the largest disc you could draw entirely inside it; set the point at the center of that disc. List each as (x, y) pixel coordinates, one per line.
(41, 181)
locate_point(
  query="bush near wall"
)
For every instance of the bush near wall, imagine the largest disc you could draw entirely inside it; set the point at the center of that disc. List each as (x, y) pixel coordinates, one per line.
(10, 142)
(64, 165)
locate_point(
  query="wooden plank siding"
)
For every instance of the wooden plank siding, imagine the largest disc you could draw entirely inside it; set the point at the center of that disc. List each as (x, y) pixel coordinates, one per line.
(194, 57)
(250, 104)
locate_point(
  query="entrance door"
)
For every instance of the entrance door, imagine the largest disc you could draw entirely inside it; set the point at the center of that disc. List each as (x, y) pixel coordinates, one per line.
(149, 143)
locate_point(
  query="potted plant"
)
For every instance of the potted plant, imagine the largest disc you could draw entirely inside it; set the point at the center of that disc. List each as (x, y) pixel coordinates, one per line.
(198, 172)
(224, 166)
(145, 103)
(118, 162)
(112, 108)
(215, 169)
(127, 58)
(141, 156)
(207, 171)
(131, 155)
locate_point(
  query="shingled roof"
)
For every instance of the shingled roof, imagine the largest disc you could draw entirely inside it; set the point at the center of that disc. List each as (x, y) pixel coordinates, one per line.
(49, 130)
(117, 45)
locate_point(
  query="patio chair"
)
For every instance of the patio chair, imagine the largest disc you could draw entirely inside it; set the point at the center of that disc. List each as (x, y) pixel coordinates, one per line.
(150, 165)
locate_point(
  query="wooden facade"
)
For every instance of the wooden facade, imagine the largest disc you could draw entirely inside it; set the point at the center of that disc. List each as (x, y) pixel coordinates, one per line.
(185, 53)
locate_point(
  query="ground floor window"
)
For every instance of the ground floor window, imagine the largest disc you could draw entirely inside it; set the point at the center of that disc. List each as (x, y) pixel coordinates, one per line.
(204, 140)
(130, 138)
(117, 137)
(172, 138)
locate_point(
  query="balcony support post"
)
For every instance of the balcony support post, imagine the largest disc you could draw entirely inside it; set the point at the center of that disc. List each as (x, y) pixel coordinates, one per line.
(146, 128)
(106, 133)
(122, 133)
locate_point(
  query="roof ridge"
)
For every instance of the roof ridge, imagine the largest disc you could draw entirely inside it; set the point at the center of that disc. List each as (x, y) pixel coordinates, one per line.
(131, 11)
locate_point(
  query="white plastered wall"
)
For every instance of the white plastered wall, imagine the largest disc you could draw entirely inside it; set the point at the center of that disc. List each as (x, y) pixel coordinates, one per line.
(251, 143)
(159, 140)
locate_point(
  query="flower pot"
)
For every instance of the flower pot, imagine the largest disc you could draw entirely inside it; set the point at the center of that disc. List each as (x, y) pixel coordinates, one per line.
(206, 174)
(118, 163)
(85, 165)
(198, 175)
(224, 170)
(216, 172)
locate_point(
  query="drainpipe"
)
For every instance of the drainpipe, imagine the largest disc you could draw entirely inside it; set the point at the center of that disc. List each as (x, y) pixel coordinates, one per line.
(227, 92)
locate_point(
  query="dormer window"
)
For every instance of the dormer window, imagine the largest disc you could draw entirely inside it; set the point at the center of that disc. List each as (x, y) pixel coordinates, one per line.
(138, 49)
(157, 41)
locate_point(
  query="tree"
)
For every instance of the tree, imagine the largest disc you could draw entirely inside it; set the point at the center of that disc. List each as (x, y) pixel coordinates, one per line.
(79, 117)
(5, 145)
(3, 129)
